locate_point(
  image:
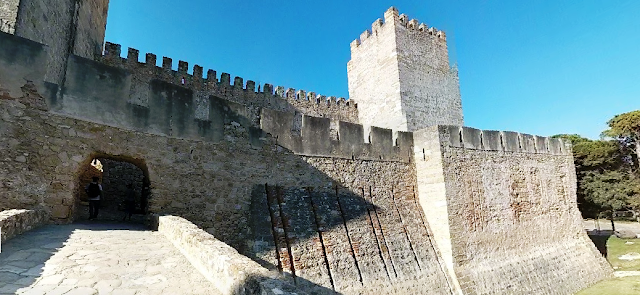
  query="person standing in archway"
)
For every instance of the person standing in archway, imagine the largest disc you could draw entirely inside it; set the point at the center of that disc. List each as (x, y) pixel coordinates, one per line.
(94, 192)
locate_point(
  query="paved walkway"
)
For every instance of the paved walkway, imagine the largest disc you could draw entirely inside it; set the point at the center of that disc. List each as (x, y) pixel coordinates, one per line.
(96, 258)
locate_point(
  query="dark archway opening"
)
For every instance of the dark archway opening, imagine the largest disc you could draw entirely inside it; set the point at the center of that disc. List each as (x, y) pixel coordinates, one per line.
(116, 173)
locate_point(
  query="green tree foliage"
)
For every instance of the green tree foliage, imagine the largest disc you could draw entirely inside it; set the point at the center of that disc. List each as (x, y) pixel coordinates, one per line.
(626, 129)
(606, 182)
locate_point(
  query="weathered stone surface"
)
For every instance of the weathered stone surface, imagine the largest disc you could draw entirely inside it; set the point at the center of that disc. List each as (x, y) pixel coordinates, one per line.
(501, 215)
(230, 272)
(15, 222)
(410, 89)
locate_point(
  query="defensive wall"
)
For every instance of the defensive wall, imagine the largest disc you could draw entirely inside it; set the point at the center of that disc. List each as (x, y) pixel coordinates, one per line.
(502, 207)
(328, 219)
(295, 183)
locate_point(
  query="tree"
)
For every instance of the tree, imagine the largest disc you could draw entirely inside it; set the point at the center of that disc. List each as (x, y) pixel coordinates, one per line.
(605, 181)
(626, 129)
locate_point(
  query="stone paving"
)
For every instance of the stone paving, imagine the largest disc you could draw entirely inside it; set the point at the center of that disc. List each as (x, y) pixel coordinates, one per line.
(97, 258)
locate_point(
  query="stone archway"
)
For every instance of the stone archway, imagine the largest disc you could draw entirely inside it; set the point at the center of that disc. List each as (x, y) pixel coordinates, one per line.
(114, 172)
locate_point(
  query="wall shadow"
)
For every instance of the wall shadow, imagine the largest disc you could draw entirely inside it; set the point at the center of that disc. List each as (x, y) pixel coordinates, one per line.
(23, 258)
(599, 239)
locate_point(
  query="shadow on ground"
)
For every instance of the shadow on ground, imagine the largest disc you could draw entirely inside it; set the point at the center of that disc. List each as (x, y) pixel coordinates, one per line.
(23, 258)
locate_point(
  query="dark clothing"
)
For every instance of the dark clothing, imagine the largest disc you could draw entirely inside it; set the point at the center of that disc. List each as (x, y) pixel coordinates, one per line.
(94, 206)
(129, 203)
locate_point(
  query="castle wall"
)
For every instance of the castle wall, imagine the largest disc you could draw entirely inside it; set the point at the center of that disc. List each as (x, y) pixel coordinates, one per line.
(51, 25)
(8, 15)
(333, 221)
(399, 75)
(91, 24)
(510, 204)
(373, 77)
(429, 86)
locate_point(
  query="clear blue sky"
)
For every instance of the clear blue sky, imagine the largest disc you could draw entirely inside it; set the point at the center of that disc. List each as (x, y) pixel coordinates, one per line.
(539, 67)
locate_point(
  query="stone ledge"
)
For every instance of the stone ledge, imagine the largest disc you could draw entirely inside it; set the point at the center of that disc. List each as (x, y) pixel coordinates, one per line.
(228, 270)
(14, 222)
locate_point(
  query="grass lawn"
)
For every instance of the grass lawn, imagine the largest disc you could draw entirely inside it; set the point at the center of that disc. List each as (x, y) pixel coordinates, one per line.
(626, 285)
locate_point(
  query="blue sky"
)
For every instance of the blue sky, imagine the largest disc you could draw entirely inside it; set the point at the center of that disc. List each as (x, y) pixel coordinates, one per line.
(539, 67)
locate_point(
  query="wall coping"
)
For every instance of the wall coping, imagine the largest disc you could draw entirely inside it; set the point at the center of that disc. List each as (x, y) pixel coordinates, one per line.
(228, 270)
(18, 221)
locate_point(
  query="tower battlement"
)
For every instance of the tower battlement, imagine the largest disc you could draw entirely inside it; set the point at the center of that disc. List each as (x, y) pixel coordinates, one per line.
(400, 76)
(393, 18)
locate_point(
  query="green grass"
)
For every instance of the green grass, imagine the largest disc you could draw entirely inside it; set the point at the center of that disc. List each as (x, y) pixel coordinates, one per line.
(617, 247)
(617, 286)
(627, 285)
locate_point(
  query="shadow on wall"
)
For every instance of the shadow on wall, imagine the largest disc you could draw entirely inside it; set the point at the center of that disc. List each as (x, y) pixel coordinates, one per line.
(23, 258)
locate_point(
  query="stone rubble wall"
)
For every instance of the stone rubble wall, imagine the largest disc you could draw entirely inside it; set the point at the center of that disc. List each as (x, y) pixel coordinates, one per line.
(508, 202)
(18, 221)
(228, 270)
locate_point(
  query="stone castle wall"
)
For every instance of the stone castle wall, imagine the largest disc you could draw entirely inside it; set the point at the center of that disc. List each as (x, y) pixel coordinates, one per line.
(503, 205)
(363, 231)
(68, 27)
(399, 74)
(8, 15)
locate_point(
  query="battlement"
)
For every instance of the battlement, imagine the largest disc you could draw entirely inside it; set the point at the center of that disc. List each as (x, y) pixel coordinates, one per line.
(242, 91)
(314, 138)
(507, 141)
(394, 18)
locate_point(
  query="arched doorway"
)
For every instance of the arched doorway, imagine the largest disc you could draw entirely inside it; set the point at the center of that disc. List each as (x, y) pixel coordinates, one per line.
(115, 173)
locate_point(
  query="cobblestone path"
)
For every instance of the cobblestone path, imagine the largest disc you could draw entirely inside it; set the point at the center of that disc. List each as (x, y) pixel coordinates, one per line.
(96, 258)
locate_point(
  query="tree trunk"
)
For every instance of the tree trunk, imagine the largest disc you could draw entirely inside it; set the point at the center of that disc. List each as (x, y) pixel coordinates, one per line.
(613, 226)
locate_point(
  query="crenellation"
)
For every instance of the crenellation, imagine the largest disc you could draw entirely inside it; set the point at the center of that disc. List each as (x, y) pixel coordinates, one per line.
(403, 20)
(413, 24)
(225, 80)
(330, 138)
(376, 25)
(365, 35)
(268, 89)
(507, 141)
(301, 95)
(183, 67)
(197, 73)
(150, 60)
(212, 77)
(132, 55)
(112, 50)
(280, 91)
(238, 83)
(167, 64)
(251, 86)
(391, 15)
(290, 94)
(311, 96)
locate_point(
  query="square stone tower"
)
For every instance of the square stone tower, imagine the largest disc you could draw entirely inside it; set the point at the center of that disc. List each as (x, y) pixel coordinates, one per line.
(65, 26)
(399, 75)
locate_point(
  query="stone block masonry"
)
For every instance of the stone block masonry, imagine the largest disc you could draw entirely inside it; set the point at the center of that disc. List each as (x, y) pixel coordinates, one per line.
(504, 212)
(399, 75)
